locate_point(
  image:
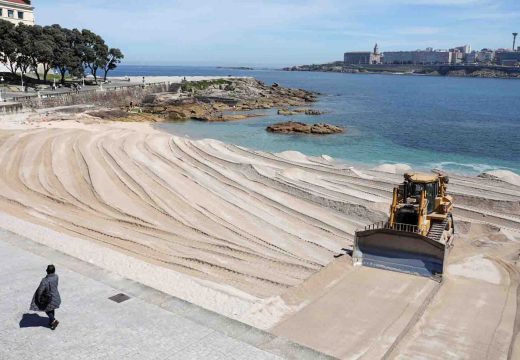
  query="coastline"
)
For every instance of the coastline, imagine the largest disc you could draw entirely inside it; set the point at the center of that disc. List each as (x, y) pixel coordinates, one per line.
(485, 72)
(253, 235)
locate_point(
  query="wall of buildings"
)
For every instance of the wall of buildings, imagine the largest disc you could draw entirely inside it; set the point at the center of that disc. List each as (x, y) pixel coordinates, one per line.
(417, 57)
(17, 11)
(361, 58)
(507, 58)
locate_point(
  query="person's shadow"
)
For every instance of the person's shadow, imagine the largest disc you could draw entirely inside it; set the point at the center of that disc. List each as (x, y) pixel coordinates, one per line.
(33, 320)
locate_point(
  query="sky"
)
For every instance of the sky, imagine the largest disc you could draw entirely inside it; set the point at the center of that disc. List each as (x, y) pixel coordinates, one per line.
(281, 33)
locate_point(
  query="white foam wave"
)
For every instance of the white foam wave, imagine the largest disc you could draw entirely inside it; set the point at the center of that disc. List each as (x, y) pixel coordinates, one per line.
(465, 168)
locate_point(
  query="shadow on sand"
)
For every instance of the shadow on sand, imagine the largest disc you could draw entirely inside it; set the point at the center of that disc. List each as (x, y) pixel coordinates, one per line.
(34, 320)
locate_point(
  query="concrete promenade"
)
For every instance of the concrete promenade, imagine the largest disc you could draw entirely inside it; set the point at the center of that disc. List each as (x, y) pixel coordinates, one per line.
(150, 325)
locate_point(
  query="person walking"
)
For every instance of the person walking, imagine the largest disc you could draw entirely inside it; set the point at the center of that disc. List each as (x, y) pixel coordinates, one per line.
(47, 297)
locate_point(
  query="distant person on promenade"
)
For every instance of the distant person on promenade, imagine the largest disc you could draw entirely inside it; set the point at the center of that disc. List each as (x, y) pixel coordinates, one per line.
(47, 297)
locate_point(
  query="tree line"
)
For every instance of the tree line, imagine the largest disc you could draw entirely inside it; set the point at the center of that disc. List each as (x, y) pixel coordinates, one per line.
(73, 52)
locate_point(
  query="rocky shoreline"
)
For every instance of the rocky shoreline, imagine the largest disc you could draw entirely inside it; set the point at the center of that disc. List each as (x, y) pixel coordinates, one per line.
(214, 101)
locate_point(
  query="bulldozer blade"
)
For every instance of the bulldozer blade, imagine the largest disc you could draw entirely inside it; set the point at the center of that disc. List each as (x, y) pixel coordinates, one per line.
(400, 251)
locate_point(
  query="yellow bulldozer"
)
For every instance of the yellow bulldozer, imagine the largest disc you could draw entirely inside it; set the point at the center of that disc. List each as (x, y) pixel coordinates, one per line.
(418, 234)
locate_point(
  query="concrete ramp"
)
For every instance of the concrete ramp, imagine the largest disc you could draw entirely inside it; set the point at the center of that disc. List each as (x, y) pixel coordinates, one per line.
(362, 315)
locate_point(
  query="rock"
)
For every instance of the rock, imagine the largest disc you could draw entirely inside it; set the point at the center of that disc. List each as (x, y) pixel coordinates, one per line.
(292, 127)
(313, 112)
(290, 112)
(213, 97)
(287, 112)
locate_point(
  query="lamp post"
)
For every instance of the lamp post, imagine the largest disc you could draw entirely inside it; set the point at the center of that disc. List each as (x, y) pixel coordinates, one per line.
(2, 84)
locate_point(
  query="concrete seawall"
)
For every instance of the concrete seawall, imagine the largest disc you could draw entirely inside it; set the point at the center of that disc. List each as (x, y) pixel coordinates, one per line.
(110, 97)
(10, 108)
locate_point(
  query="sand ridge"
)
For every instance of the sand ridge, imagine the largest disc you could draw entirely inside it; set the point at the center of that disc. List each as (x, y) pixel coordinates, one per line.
(241, 224)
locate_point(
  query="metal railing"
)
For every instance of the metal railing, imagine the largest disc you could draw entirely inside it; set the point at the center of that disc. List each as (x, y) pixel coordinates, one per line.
(107, 88)
(397, 227)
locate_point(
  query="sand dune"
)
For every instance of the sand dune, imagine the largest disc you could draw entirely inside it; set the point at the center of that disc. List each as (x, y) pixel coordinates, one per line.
(254, 224)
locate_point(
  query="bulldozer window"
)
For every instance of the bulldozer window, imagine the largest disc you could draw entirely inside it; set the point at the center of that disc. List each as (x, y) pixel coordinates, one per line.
(431, 193)
(417, 189)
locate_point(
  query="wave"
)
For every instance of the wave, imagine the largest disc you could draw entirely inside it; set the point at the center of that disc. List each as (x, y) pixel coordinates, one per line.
(466, 168)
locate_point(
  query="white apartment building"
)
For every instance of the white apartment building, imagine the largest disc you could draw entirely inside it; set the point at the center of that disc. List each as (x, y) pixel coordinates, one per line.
(17, 11)
(417, 57)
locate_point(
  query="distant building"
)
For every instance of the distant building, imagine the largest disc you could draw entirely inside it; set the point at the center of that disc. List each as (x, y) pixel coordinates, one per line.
(486, 56)
(465, 49)
(362, 57)
(471, 57)
(418, 57)
(507, 58)
(17, 11)
(457, 56)
(398, 57)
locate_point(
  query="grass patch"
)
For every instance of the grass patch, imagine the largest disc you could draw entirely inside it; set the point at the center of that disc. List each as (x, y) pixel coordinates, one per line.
(203, 85)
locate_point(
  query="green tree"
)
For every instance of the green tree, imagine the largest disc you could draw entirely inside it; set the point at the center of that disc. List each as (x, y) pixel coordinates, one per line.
(94, 51)
(22, 56)
(71, 52)
(42, 50)
(7, 45)
(67, 52)
(113, 59)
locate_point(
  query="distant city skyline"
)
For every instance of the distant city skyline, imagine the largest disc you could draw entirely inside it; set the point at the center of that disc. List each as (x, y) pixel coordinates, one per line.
(279, 33)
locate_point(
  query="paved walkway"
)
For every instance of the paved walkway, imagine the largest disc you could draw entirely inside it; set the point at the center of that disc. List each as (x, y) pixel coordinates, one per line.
(150, 325)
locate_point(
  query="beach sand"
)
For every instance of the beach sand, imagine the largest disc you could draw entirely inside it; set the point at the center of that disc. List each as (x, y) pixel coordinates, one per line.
(253, 235)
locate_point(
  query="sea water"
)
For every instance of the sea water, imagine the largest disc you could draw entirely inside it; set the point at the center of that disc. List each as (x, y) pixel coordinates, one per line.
(461, 125)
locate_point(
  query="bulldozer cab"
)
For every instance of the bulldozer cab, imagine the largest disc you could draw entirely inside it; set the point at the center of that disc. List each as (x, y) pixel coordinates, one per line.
(417, 234)
(415, 184)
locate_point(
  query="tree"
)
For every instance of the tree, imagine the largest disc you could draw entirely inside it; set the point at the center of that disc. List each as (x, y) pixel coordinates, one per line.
(112, 60)
(7, 46)
(11, 45)
(23, 47)
(94, 51)
(67, 52)
(41, 46)
(22, 37)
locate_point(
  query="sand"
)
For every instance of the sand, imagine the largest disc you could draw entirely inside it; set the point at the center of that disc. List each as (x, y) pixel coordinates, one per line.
(393, 168)
(503, 175)
(253, 235)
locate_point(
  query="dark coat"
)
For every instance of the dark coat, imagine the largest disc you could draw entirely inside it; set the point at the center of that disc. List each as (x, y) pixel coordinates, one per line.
(50, 284)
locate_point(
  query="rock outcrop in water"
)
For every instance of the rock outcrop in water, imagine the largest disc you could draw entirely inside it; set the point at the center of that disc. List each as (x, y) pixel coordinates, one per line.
(289, 112)
(292, 127)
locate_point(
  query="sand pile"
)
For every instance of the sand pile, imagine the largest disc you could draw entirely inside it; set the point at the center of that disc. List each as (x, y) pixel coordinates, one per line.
(235, 227)
(503, 175)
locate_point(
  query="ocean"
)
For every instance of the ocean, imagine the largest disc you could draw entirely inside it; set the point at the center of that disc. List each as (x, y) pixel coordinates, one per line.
(460, 125)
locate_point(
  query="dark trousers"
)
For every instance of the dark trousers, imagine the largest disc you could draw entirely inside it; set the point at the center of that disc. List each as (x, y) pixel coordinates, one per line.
(50, 314)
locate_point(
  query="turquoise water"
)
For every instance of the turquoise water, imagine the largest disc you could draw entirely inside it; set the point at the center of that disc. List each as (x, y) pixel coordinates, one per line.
(462, 125)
